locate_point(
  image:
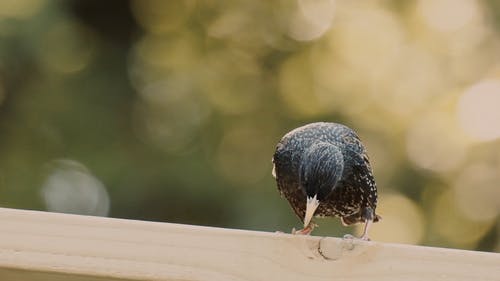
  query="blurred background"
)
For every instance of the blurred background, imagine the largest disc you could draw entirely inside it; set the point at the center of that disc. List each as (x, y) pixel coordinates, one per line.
(170, 110)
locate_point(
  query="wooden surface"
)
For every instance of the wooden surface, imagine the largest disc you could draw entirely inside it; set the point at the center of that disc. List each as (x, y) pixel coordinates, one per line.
(49, 246)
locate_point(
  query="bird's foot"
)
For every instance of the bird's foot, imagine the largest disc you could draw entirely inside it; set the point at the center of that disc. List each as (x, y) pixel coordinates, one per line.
(365, 238)
(348, 236)
(306, 230)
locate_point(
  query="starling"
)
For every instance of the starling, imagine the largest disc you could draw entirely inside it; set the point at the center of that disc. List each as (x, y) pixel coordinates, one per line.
(322, 169)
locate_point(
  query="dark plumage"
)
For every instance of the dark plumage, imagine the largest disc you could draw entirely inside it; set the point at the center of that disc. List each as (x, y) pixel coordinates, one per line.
(322, 169)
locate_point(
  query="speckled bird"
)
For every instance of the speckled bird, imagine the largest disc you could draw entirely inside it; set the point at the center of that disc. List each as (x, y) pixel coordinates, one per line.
(323, 170)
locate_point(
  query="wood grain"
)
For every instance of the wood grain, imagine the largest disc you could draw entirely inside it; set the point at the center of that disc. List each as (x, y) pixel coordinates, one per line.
(49, 246)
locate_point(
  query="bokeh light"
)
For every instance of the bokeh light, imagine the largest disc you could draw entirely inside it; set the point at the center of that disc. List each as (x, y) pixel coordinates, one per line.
(169, 114)
(239, 90)
(358, 43)
(402, 220)
(240, 153)
(434, 143)
(72, 56)
(175, 109)
(452, 226)
(162, 16)
(71, 188)
(478, 110)
(477, 193)
(312, 19)
(20, 8)
(448, 15)
(297, 88)
(153, 57)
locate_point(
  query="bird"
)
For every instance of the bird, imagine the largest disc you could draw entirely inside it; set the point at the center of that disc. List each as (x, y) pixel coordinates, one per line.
(323, 170)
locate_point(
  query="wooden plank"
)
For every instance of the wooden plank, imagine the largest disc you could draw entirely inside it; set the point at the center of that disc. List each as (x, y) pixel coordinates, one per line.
(49, 246)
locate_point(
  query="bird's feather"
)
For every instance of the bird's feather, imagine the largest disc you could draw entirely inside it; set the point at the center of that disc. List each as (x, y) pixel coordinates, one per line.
(330, 161)
(321, 167)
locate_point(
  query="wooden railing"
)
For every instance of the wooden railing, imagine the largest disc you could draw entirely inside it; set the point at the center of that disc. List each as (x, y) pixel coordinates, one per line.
(48, 246)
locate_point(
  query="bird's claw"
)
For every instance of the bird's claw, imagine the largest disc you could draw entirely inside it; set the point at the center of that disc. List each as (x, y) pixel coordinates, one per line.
(348, 236)
(304, 231)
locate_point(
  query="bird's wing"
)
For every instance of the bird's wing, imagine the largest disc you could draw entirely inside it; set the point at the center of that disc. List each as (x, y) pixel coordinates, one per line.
(363, 175)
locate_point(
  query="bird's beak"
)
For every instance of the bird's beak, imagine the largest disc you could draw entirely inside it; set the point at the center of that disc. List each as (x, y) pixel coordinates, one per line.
(311, 206)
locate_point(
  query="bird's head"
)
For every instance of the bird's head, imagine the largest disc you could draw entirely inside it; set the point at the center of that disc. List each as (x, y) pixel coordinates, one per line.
(321, 169)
